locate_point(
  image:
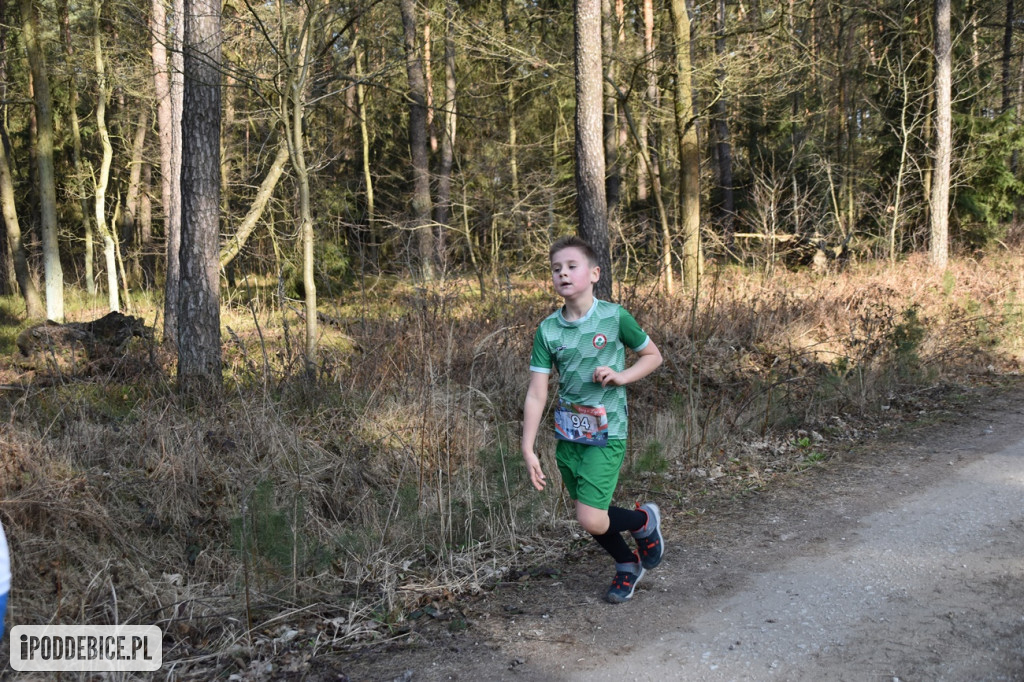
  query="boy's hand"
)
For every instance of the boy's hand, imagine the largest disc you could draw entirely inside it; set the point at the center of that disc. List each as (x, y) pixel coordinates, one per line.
(607, 375)
(533, 466)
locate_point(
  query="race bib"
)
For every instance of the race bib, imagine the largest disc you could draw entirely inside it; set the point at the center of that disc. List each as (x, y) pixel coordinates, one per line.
(581, 424)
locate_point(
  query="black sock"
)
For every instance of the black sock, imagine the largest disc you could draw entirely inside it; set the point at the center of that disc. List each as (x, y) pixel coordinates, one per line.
(614, 544)
(620, 519)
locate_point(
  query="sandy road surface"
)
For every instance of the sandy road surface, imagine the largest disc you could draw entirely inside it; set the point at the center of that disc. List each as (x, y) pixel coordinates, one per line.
(930, 589)
(899, 560)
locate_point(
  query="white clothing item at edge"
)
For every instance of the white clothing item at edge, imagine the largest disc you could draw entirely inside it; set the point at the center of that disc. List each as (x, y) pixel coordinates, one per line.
(5, 564)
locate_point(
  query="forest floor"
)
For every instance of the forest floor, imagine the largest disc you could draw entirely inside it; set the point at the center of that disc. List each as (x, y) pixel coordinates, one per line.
(898, 558)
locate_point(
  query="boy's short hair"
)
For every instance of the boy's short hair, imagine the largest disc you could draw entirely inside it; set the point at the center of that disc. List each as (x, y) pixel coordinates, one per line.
(572, 241)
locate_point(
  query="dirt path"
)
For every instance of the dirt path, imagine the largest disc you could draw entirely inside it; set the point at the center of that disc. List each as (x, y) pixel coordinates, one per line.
(900, 560)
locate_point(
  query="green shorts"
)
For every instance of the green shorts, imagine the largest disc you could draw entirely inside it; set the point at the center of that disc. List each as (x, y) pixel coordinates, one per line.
(590, 473)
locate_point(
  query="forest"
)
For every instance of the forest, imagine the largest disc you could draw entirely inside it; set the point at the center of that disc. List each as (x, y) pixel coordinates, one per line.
(330, 222)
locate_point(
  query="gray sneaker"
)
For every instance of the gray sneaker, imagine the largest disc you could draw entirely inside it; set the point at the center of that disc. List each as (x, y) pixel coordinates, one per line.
(626, 578)
(649, 542)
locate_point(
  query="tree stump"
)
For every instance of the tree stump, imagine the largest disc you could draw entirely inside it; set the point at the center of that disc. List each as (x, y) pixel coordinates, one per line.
(75, 345)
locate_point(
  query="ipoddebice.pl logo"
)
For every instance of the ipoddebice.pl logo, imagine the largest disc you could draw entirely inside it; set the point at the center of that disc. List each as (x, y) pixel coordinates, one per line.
(89, 648)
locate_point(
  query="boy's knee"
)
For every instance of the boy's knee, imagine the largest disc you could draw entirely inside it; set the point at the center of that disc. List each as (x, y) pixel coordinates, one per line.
(593, 523)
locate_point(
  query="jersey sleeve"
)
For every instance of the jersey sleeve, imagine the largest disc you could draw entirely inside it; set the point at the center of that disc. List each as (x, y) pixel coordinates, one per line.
(540, 358)
(632, 335)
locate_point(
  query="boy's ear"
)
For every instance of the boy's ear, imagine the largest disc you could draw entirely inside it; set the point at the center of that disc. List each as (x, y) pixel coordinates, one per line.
(595, 274)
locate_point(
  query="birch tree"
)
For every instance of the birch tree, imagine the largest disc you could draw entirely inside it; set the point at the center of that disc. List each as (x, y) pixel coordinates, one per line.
(105, 230)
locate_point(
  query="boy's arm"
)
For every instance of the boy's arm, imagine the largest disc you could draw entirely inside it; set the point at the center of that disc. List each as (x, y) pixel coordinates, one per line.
(533, 410)
(648, 360)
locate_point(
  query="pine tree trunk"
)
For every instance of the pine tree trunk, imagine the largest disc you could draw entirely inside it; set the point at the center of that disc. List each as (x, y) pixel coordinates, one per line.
(418, 143)
(591, 203)
(199, 353)
(168, 86)
(613, 173)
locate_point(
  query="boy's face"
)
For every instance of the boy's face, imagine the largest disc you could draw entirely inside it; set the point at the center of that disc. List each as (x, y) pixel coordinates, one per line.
(572, 273)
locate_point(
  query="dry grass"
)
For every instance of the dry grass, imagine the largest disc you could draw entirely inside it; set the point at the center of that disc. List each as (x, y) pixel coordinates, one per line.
(394, 480)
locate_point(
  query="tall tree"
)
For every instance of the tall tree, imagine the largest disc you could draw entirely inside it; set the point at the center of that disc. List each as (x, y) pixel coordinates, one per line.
(418, 142)
(168, 91)
(128, 230)
(199, 352)
(105, 230)
(1006, 104)
(53, 273)
(591, 202)
(300, 65)
(76, 152)
(27, 286)
(9, 282)
(939, 248)
(511, 102)
(364, 132)
(611, 39)
(443, 206)
(725, 207)
(689, 152)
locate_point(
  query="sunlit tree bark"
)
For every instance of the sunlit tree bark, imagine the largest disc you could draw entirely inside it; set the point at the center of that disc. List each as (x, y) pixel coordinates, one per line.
(76, 154)
(689, 153)
(53, 272)
(364, 132)
(105, 230)
(235, 242)
(939, 248)
(591, 202)
(33, 303)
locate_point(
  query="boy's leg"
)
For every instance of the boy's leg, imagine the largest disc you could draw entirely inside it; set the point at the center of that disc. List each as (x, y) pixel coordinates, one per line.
(649, 542)
(596, 474)
(591, 475)
(595, 520)
(628, 568)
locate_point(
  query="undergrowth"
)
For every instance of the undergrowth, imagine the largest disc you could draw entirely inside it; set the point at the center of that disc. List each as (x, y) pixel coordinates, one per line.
(393, 479)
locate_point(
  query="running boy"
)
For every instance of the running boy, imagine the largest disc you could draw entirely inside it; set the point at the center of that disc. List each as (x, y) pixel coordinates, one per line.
(585, 341)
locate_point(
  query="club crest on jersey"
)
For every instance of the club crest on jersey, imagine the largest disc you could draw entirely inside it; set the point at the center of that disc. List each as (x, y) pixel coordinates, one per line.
(600, 341)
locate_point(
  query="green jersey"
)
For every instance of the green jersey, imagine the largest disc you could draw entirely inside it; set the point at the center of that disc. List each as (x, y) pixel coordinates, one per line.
(576, 349)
